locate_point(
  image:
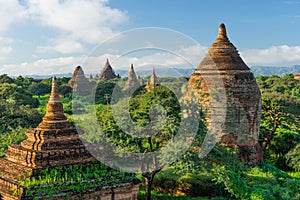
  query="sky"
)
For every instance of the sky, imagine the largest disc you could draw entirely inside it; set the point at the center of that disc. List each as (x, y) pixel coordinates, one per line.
(46, 37)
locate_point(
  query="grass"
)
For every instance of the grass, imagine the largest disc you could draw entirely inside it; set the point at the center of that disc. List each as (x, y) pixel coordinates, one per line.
(162, 196)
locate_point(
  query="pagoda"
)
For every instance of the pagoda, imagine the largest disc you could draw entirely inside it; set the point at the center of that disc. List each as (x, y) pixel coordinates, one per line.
(297, 77)
(54, 144)
(132, 81)
(79, 79)
(153, 82)
(108, 72)
(228, 93)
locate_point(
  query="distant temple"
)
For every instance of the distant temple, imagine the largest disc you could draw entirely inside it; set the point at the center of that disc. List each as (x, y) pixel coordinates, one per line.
(297, 77)
(132, 81)
(79, 83)
(108, 72)
(55, 143)
(153, 82)
(240, 106)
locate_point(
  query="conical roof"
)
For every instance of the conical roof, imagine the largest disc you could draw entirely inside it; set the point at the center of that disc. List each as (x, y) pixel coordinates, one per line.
(132, 81)
(153, 79)
(79, 82)
(222, 55)
(78, 72)
(108, 72)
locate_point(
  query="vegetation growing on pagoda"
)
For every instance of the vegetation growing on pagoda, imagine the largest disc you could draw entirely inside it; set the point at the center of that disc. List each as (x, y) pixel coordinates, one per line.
(75, 178)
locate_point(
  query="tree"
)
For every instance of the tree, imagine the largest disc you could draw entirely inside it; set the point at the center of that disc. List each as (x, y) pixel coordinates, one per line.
(64, 90)
(279, 126)
(13, 116)
(293, 157)
(146, 111)
(39, 89)
(6, 79)
(104, 87)
(17, 95)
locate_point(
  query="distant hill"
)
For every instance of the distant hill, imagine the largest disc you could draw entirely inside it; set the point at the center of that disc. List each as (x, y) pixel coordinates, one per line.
(49, 76)
(160, 72)
(271, 70)
(177, 72)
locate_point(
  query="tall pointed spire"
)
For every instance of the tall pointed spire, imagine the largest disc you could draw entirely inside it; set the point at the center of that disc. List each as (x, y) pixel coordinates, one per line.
(153, 81)
(54, 110)
(222, 35)
(132, 81)
(131, 68)
(223, 54)
(54, 95)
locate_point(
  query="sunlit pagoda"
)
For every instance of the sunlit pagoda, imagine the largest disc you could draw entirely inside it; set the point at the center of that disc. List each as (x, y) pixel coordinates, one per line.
(297, 77)
(79, 78)
(132, 81)
(55, 145)
(223, 70)
(153, 82)
(108, 72)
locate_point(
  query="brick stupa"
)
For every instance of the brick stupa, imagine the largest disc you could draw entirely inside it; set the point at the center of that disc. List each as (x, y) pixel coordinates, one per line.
(79, 83)
(108, 72)
(153, 82)
(222, 69)
(132, 81)
(54, 143)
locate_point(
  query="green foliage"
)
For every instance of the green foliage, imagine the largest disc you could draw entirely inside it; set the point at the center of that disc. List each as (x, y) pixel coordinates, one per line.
(14, 136)
(64, 90)
(4, 78)
(39, 89)
(293, 158)
(13, 116)
(76, 178)
(279, 130)
(104, 87)
(265, 182)
(285, 85)
(157, 195)
(139, 109)
(16, 95)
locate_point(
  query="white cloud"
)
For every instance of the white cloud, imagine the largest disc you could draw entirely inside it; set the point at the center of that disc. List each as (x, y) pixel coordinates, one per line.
(280, 55)
(4, 51)
(62, 45)
(50, 66)
(10, 11)
(88, 21)
(5, 47)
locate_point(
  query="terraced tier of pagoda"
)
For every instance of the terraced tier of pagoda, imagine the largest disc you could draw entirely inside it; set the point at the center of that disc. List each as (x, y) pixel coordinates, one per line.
(53, 144)
(229, 93)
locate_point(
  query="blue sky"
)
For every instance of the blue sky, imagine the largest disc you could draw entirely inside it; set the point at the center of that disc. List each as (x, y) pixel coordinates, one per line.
(54, 36)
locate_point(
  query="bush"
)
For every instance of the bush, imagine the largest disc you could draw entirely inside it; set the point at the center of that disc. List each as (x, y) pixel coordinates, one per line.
(15, 136)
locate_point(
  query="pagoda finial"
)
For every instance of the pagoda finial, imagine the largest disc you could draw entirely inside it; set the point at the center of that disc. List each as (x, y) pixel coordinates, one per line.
(54, 110)
(54, 95)
(153, 79)
(222, 32)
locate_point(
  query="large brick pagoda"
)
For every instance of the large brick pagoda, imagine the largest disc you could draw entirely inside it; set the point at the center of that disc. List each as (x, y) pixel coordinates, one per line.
(228, 93)
(54, 143)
